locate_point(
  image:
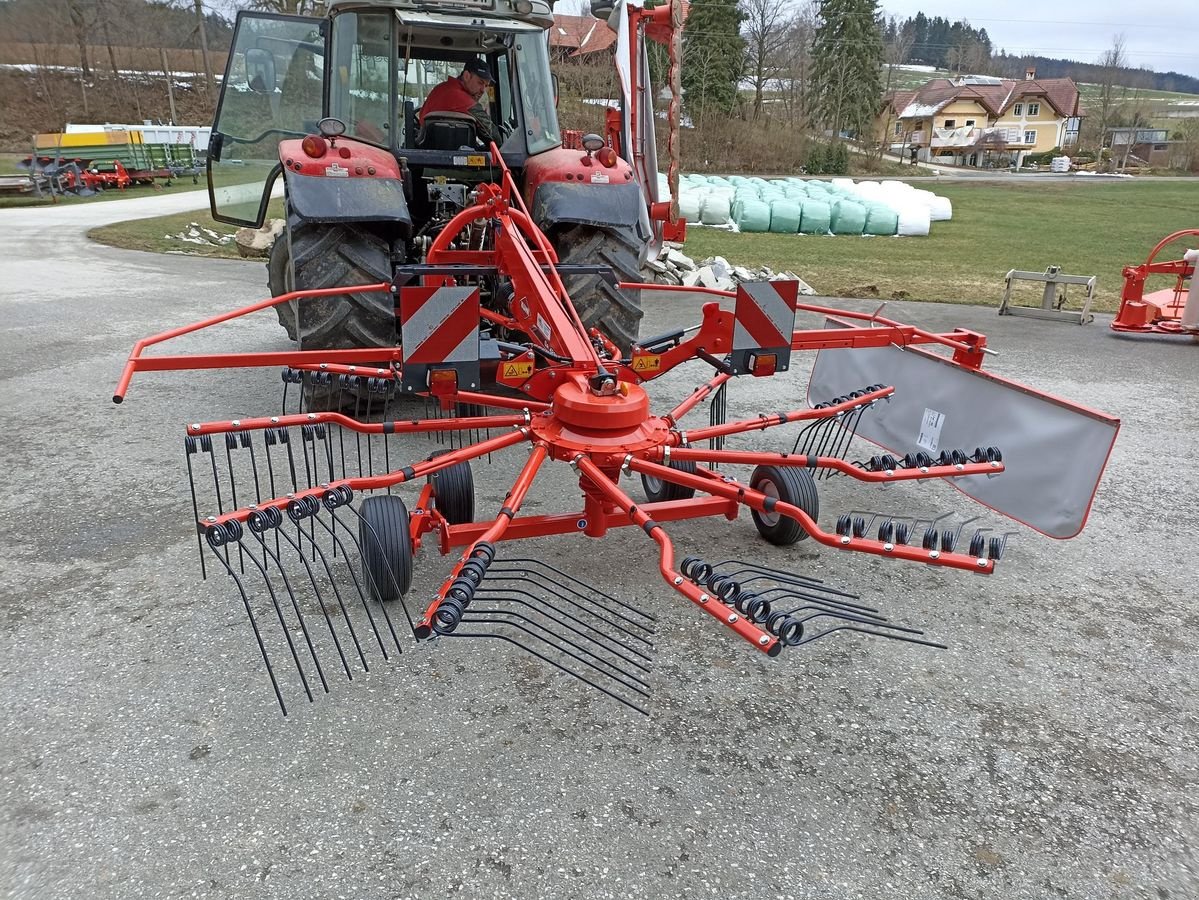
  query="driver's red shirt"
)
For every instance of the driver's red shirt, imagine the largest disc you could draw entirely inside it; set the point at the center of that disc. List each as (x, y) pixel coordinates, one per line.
(449, 96)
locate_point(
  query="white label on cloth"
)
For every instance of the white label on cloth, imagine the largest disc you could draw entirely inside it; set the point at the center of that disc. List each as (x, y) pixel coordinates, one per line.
(930, 430)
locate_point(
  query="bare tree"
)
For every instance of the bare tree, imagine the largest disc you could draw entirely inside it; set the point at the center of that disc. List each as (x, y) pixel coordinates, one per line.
(289, 7)
(795, 60)
(765, 31)
(895, 53)
(1110, 62)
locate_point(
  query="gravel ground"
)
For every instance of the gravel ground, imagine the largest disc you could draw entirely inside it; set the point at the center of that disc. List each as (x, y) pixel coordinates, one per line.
(1049, 752)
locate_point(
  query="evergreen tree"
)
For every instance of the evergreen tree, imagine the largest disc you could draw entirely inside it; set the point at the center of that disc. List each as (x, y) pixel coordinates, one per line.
(713, 56)
(847, 56)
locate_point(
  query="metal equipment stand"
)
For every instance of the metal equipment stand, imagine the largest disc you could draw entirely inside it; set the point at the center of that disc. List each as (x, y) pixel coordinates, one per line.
(1051, 302)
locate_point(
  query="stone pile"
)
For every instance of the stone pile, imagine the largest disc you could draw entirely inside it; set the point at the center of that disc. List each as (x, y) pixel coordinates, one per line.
(195, 233)
(675, 267)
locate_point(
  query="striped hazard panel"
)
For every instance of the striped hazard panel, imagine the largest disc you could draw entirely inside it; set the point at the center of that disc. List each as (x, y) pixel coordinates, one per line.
(439, 329)
(764, 319)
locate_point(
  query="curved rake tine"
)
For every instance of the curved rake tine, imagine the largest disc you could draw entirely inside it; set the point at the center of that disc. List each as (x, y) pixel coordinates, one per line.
(560, 573)
(266, 660)
(295, 605)
(803, 595)
(503, 575)
(576, 652)
(545, 659)
(781, 594)
(882, 634)
(488, 594)
(361, 593)
(321, 600)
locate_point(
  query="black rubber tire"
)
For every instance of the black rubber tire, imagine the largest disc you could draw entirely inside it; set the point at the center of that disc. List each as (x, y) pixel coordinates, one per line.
(311, 255)
(789, 485)
(385, 546)
(454, 491)
(601, 305)
(657, 490)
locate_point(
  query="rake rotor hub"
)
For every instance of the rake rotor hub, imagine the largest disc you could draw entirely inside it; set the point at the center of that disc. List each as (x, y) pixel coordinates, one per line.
(605, 428)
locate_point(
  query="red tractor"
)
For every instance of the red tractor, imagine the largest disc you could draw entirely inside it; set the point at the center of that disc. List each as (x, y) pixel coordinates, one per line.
(334, 106)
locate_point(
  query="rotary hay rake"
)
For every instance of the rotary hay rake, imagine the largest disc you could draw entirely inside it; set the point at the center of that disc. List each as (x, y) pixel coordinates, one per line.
(302, 509)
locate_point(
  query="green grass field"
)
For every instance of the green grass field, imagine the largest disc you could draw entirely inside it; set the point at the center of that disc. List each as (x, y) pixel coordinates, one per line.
(1087, 229)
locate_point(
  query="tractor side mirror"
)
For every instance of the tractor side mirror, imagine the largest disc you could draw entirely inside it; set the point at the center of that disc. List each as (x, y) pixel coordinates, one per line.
(260, 71)
(554, 81)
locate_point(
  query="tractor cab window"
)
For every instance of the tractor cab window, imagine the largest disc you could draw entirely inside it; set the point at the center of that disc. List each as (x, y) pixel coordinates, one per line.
(537, 93)
(360, 93)
(272, 90)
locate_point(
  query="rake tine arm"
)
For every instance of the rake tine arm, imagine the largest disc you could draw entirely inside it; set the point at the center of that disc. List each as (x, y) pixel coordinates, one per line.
(411, 426)
(807, 461)
(759, 501)
(745, 629)
(761, 423)
(696, 397)
(883, 634)
(378, 482)
(480, 553)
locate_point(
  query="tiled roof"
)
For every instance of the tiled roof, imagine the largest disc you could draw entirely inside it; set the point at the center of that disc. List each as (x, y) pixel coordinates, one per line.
(996, 99)
(581, 34)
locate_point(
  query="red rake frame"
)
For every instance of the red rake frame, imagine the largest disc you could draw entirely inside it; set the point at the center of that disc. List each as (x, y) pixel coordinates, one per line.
(587, 409)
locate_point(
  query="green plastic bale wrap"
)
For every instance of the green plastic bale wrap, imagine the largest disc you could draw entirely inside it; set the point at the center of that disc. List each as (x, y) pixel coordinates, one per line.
(848, 217)
(816, 217)
(785, 216)
(755, 216)
(881, 219)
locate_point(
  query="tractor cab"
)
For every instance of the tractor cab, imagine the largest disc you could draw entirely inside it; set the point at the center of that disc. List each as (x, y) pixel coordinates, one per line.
(372, 68)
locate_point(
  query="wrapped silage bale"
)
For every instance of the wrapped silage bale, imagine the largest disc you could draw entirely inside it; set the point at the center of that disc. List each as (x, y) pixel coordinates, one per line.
(755, 216)
(843, 184)
(737, 180)
(785, 216)
(940, 210)
(881, 219)
(849, 217)
(815, 216)
(913, 220)
(869, 190)
(689, 205)
(717, 209)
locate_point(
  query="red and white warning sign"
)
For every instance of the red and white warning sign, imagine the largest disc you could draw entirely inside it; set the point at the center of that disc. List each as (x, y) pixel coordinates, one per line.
(439, 327)
(763, 320)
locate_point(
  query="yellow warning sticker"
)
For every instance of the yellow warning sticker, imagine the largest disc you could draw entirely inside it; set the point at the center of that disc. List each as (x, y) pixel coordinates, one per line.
(518, 370)
(476, 160)
(647, 362)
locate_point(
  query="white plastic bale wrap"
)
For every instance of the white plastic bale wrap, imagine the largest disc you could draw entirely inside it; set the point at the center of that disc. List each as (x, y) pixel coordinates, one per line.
(755, 216)
(717, 209)
(940, 210)
(690, 202)
(785, 216)
(881, 219)
(816, 216)
(843, 184)
(913, 220)
(849, 217)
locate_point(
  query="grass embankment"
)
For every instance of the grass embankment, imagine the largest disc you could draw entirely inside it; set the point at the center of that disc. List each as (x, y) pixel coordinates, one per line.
(160, 235)
(1087, 229)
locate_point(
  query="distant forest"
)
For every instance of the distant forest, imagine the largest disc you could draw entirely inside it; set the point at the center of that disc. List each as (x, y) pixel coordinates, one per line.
(959, 47)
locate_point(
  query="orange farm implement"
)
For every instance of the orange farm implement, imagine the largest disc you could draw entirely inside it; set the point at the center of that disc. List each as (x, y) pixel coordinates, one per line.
(1169, 310)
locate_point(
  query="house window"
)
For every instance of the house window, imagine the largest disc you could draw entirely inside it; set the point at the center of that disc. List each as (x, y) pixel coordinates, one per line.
(1018, 109)
(1033, 109)
(969, 123)
(1030, 136)
(899, 128)
(951, 123)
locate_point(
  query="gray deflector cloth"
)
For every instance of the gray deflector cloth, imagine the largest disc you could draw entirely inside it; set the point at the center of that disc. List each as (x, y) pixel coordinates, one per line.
(1054, 452)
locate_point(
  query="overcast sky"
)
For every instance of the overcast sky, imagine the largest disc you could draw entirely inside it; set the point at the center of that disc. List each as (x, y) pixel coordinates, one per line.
(1160, 34)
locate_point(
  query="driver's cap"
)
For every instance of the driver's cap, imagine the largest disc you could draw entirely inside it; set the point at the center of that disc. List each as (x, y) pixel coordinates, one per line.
(479, 67)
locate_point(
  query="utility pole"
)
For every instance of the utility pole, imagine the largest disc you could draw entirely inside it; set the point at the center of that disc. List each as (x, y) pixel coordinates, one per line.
(204, 48)
(166, 70)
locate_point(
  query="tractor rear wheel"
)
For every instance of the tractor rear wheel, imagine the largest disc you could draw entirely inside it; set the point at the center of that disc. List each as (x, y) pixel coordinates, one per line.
(601, 305)
(312, 255)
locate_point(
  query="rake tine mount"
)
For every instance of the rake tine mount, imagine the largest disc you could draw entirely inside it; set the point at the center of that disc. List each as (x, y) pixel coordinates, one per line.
(318, 513)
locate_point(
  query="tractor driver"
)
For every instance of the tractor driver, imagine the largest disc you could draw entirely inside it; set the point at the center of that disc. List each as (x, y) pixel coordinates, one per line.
(464, 94)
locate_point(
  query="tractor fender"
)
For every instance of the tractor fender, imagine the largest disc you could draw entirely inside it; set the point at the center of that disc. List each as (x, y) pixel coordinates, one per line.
(362, 186)
(569, 187)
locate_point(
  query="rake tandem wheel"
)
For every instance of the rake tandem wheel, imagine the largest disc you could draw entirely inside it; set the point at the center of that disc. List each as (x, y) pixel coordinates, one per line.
(302, 509)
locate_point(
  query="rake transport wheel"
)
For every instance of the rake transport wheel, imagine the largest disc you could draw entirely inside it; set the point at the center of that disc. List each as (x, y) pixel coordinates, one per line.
(656, 489)
(386, 546)
(601, 305)
(312, 255)
(454, 492)
(790, 485)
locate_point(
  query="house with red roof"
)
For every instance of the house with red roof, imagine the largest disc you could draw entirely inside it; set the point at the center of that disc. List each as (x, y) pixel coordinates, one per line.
(978, 120)
(579, 35)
